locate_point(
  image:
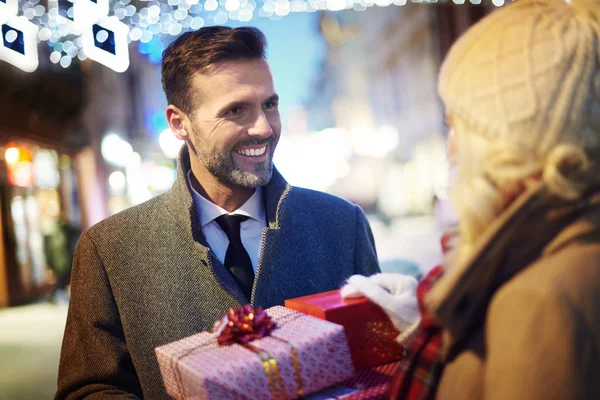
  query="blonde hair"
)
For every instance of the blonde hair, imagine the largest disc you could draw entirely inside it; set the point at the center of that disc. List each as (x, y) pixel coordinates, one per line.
(489, 171)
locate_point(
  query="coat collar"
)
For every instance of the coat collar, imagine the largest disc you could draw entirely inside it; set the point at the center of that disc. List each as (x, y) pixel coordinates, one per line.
(181, 205)
(536, 224)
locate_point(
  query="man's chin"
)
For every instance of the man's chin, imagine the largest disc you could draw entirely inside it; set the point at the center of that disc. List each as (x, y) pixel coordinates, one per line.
(251, 180)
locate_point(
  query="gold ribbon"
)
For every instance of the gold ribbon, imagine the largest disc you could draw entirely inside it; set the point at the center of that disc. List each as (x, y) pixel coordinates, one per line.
(297, 371)
(272, 371)
(271, 368)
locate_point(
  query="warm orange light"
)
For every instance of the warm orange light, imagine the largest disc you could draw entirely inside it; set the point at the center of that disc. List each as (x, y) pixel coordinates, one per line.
(12, 155)
(19, 163)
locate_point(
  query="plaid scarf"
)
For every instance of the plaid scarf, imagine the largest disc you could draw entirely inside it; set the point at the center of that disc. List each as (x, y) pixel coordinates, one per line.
(419, 370)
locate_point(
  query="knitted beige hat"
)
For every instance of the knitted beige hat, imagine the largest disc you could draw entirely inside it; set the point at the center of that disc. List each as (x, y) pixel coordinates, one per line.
(529, 74)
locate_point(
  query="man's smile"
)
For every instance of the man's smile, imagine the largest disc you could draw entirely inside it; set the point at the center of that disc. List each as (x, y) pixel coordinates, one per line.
(251, 151)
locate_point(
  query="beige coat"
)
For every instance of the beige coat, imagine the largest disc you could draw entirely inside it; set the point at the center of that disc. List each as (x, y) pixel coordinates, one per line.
(536, 335)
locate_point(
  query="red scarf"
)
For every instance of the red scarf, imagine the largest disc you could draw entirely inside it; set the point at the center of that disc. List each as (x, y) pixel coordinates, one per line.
(419, 370)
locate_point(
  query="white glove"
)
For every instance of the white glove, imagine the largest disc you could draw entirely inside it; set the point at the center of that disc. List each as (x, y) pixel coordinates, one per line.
(396, 294)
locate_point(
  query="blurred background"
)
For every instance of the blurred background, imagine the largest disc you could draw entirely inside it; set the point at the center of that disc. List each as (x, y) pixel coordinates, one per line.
(83, 134)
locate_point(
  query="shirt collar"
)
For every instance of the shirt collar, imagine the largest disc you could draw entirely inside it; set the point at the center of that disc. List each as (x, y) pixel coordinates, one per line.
(208, 211)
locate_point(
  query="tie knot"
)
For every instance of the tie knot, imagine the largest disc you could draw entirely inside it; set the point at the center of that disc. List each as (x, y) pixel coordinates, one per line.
(231, 225)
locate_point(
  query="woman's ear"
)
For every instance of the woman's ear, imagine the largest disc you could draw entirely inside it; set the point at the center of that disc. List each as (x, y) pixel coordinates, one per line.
(177, 121)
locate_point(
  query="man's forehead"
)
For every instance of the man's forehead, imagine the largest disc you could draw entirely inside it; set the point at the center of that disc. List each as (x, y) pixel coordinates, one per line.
(231, 80)
(235, 71)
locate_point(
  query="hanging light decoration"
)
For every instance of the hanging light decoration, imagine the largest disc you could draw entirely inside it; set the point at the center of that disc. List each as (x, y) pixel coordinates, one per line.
(102, 29)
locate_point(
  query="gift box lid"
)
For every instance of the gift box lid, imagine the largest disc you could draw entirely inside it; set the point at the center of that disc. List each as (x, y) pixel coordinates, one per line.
(369, 331)
(331, 307)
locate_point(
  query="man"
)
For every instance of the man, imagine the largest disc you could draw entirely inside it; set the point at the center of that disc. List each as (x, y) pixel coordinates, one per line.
(171, 267)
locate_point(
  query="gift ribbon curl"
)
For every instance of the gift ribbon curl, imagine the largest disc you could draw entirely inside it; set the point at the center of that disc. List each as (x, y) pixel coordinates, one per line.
(245, 324)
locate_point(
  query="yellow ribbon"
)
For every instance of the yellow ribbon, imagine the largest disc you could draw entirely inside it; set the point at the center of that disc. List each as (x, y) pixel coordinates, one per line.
(272, 370)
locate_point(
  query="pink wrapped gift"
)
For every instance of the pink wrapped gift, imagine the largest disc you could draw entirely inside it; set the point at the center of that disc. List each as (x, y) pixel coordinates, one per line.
(302, 355)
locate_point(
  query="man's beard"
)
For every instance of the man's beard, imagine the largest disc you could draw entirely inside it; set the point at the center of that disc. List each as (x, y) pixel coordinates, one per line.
(222, 167)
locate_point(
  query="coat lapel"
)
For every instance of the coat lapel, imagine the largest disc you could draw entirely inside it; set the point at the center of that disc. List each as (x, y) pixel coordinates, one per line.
(181, 206)
(275, 193)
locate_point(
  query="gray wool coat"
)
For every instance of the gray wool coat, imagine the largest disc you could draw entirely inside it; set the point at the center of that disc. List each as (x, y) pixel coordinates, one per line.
(146, 277)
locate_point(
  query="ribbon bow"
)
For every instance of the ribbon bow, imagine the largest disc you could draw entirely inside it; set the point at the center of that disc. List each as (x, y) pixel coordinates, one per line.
(244, 324)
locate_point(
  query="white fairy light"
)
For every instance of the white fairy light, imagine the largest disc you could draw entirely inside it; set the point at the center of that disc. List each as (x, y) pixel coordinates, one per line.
(135, 34)
(336, 5)
(39, 10)
(211, 5)
(282, 7)
(29, 13)
(146, 36)
(197, 23)
(44, 34)
(55, 57)
(220, 18)
(298, 6)
(81, 55)
(130, 10)
(175, 29)
(269, 6)
(232, 5)
(120, 13)
(154, 11)
(65, 61)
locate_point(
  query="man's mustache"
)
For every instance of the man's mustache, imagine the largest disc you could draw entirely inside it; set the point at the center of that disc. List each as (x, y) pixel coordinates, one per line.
(254, 142)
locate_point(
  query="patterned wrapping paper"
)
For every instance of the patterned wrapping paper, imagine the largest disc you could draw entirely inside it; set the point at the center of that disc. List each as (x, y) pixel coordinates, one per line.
(197, 367)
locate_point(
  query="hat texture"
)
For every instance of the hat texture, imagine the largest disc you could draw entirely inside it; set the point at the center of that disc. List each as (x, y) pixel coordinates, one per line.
(529, 74)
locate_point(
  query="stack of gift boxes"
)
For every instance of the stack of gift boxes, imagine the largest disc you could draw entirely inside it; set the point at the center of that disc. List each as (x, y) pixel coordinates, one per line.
(288, 352)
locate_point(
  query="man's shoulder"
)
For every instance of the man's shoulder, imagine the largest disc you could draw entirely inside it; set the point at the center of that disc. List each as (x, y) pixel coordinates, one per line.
(313, 198)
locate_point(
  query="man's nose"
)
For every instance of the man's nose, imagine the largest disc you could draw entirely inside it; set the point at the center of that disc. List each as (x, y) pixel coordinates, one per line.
(261, 127)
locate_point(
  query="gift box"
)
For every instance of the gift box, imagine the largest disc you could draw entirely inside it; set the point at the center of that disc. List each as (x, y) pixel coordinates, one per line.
(370, 334)
(300, 356)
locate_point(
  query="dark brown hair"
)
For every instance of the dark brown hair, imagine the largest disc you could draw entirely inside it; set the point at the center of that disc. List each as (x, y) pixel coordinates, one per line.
(195, 51)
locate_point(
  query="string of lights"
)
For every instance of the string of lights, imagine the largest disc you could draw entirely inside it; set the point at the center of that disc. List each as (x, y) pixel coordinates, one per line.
(103, 29)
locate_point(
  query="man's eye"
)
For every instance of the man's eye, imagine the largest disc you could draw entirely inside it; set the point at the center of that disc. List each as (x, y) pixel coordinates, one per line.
(270, 106)
(234, 112)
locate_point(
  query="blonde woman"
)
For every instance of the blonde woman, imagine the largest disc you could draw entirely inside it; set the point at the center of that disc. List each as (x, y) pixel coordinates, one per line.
(515, 312)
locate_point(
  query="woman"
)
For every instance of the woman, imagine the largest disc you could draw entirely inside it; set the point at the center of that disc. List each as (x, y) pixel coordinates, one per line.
(515, 312)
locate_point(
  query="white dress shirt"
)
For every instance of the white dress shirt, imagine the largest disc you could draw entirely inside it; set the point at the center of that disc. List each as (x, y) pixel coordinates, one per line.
(250, 229)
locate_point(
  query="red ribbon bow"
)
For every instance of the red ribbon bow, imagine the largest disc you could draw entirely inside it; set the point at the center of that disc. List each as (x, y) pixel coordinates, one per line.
(245, 324)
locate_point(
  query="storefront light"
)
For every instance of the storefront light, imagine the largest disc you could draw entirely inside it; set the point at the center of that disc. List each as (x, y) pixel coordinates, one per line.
(162, 178)
(116, 180)
(116, 150)
(12, 155)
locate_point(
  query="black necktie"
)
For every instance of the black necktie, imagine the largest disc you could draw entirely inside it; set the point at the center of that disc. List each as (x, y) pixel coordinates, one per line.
(237, 260)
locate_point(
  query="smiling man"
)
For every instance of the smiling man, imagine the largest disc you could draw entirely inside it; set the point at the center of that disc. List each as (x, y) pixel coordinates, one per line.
(231, 231)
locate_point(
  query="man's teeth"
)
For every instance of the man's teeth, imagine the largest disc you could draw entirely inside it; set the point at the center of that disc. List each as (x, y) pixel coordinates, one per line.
(252, 152)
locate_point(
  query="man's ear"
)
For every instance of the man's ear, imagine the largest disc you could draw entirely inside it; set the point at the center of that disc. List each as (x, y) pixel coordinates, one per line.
(176, 119)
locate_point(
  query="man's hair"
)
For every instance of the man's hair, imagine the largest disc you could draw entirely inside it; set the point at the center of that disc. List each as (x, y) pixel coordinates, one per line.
(196, 51)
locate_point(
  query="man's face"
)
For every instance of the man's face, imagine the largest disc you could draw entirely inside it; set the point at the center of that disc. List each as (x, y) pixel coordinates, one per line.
(235, 124)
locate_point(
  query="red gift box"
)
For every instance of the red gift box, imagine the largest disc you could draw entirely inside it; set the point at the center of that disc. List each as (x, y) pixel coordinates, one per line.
(370, 334)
